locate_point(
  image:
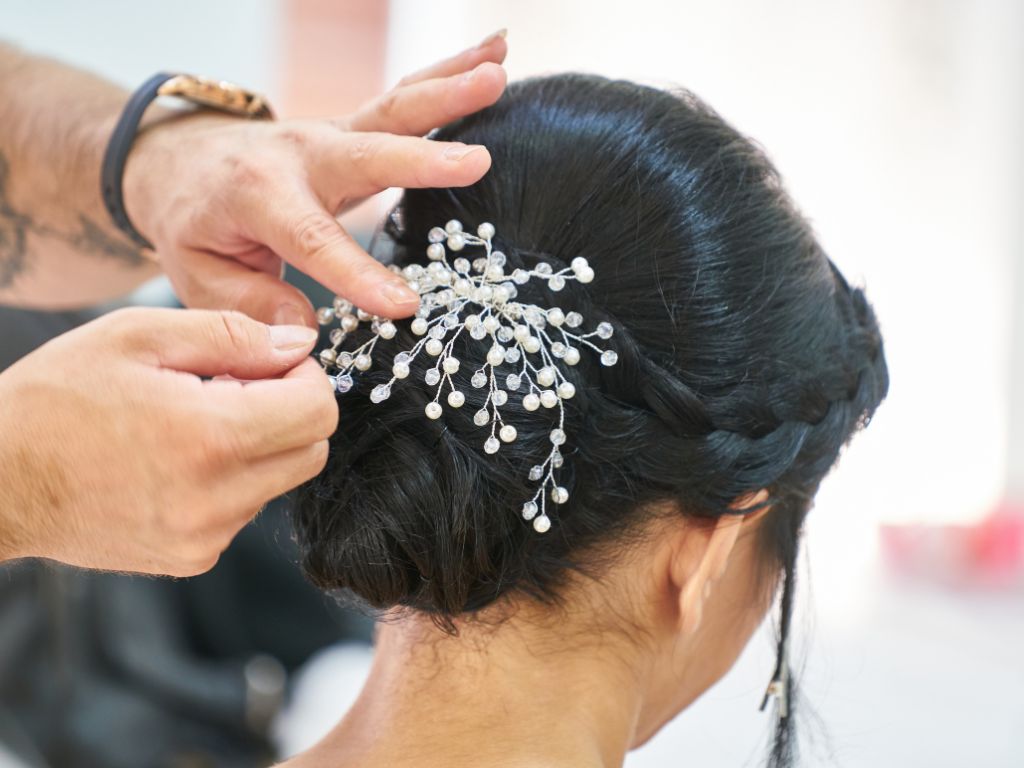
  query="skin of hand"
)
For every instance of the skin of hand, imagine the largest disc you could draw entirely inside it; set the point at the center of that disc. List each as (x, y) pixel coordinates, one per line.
(227, 202)
(124, 454)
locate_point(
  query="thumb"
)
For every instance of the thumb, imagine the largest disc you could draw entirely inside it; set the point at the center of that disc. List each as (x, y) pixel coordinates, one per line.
(213, 343)
(216, 282)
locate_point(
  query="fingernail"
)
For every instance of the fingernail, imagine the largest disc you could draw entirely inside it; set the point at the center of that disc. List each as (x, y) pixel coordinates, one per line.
(289, 314)
(460, 151)
(399, 292)
(492, 37)
(288, 337)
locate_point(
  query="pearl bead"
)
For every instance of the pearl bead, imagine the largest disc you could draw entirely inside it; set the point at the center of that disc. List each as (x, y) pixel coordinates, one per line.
(450, 365)
(556, 316)
(491, 445)
(336, 336)
(324, 315)
(572, 356)
(529, 510)
(387, 331)
(556, 283)
(491, 323)
(363, 315)
(456, 399)
(579, 263)
(531, 402)
(349, 323)
(548, 398)
(453, 226)
(496, 355)
(328, 357)
(497, 257)
(559, 495)
(435, 251)
(456, 242)
(542, 524)
(436, 235)
(434, 347)
(520, 276)
(433, 410)
(521, 333)
(485, 231)
(532, 344)
(546, 376)
(380, 393)
(507, 433)
(471, 322)
(585, 275)
(566, 390)
(557, 437)
(342, 306)
(363, 362)
(400, 370)
(419, 326)
(500, 397)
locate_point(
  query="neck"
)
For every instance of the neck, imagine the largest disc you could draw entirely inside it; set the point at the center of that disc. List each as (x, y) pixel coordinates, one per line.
(493, 695)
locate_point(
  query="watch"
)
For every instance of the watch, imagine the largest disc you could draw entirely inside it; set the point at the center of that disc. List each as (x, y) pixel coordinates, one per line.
(202, 91)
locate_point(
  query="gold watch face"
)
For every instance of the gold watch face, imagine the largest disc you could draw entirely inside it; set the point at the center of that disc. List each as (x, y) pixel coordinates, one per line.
(219, 94)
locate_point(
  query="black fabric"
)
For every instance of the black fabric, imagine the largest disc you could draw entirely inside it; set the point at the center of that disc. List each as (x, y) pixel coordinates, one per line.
(116, 155)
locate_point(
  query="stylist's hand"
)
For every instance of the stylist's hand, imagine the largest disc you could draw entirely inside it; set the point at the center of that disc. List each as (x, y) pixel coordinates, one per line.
(227, 201)
(116, 454)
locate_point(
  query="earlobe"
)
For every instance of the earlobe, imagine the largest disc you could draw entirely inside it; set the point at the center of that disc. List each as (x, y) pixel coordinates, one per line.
(701, 558)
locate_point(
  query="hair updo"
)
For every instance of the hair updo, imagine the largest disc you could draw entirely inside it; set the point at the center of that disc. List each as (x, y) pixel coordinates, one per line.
(746, 361)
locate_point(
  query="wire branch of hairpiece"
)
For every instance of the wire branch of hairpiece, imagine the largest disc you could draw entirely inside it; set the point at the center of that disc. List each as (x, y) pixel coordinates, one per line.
(530, 342)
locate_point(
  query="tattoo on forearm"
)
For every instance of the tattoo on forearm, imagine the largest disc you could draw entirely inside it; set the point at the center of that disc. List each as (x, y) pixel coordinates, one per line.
(15, 227)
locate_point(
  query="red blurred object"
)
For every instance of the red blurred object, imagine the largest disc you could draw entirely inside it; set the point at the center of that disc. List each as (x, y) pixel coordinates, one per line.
(988, 554)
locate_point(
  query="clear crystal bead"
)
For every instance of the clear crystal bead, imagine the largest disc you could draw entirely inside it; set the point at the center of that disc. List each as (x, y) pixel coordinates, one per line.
(380, 393)
(479, 379)
(507, 433)
(574, 319)
(542, 524)
(498, 258)
(512, 382)
(559, 495)
(536, 472)
(436, 235)
(480, 264)
(512, 355)
(505, 333)
(557, 437)
(520, 276)
(343, 383)
(529, 510)
(432, 377)
(556, 283)
(324, 315)
(478, 332)
(557, 460)
(558, 349)
(491, 445)
(481, 417)
(605, 330)
(500, 397)
(609, 357)
(337, 336)
(543, 268)
(461, 264)
(402, 357)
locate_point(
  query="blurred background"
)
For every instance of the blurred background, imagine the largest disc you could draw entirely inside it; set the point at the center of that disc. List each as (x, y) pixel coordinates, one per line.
(897, 125)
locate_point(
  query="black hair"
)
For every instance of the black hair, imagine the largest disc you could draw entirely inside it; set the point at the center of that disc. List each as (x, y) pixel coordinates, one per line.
(746, 361)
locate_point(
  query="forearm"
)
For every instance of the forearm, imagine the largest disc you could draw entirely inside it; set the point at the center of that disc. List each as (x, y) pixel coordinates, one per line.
(58, 247)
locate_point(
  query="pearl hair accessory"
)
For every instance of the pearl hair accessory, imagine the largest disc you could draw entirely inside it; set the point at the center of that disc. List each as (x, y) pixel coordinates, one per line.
(478, 298)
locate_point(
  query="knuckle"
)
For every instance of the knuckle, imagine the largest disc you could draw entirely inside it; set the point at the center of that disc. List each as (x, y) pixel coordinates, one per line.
(244, 172)
(236, 328)
(363, 148)
(316, 233)
(294, 136)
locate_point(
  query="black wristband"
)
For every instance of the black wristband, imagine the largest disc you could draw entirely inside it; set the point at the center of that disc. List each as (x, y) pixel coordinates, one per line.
(116, 155)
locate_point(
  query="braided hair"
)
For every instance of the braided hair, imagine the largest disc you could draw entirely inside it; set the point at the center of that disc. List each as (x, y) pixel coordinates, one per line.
(746, 360)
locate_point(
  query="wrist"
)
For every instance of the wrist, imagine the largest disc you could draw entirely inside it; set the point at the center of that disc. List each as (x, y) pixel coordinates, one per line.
(155, 159)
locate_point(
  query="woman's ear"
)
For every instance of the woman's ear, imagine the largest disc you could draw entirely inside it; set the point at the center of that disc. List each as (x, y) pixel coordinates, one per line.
(702, 555)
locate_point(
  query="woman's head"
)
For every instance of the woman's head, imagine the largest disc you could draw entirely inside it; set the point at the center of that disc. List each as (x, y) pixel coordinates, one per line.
(745, 362)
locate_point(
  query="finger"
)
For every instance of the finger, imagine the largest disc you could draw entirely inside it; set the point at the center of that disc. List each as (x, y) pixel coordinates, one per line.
(296, 226)
(359, 164)
(209, 343)
(492, 48)
(266, 478)
(420, 107)
(210, 281)
(273, 415)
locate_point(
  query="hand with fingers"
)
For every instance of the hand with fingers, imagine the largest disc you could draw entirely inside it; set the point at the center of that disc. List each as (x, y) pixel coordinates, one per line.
(135, 459)
(228, 202)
